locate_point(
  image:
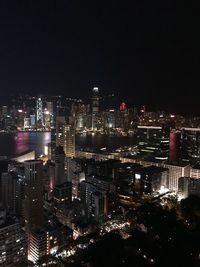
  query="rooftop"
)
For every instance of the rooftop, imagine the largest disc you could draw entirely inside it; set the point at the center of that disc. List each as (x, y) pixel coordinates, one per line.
(178, 164)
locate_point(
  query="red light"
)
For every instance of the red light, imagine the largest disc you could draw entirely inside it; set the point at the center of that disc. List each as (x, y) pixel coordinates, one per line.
(122, 106)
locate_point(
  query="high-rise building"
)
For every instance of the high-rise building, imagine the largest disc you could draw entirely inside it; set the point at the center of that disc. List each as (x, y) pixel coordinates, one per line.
(102, 183)
(52, 146)
(60, 176)
(47, 119)
(50, 107)
(176, 170)
(48, 240)
(122, 106)
(95, 201)
(174, 145)
(63, 194)
(12, 190)
(39, 110)
(188, 186)
(33, 124)
(37, 245)
(74, 174)
(124, 177)
(33, 210)
(95, 107)
(195, 171)
(151, 180)
(81, 121)
(27, 123)
(60, 121)
(190, 144)
(153, 143)
(51, 113)
(3, 168)
(109, 119)
(4, 111)
(69, 140)
(7, 191)
(19, 194)
(13, 242)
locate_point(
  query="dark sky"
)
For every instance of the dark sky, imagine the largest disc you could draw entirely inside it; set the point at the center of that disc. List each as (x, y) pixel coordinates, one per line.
(148, 51)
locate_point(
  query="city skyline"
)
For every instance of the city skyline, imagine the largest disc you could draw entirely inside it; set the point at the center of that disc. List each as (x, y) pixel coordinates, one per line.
(99, 134)
(108, 100)
(146, 52)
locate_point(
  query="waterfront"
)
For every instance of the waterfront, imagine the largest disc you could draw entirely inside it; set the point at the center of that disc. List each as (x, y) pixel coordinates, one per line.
(12, 144)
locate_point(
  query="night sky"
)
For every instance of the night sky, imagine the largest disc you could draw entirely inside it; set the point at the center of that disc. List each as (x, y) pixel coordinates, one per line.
(145, 51)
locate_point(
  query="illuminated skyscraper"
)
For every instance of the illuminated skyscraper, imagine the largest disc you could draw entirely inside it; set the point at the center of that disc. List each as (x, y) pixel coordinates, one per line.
(69, 140)
(38, 245)
(47, 119)
(32, 118)
(50, 107)
(60, 121)
(65, 136)
(190, 145)
(39, 109)
(95, 107)
(50, 111)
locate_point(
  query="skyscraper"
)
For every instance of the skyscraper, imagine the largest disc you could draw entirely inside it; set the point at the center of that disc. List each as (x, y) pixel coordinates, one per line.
(59, 166)
(95, 107)
(190, 144)
(13, 241)
(33, 208)
(63, 194)
(4, 111)
(7, 188)
(69, 140)
(39, 110)
(50, 111)
(37, 245)
(60, 121)
(94, 199)
(50, 107)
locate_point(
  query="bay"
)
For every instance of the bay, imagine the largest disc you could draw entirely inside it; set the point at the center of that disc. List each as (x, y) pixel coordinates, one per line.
(12, 144)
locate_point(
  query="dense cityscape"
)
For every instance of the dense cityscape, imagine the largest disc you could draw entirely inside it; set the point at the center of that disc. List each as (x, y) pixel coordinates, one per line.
(72, 206)
(99, 133)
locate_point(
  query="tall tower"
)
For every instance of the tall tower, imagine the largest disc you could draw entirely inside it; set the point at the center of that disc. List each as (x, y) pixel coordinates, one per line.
(7, 191)
(50, 107)
(33, 206)
(51, 113)
(59, 166)
(69, 140)
(39, 109)
(95, 107)
(60, 121)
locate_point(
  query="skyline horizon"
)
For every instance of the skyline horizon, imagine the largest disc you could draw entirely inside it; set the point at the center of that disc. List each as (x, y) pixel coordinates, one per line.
(118, 99)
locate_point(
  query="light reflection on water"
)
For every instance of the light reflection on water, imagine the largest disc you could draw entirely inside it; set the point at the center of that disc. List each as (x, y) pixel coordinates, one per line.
(108, 141)
(12, 144)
